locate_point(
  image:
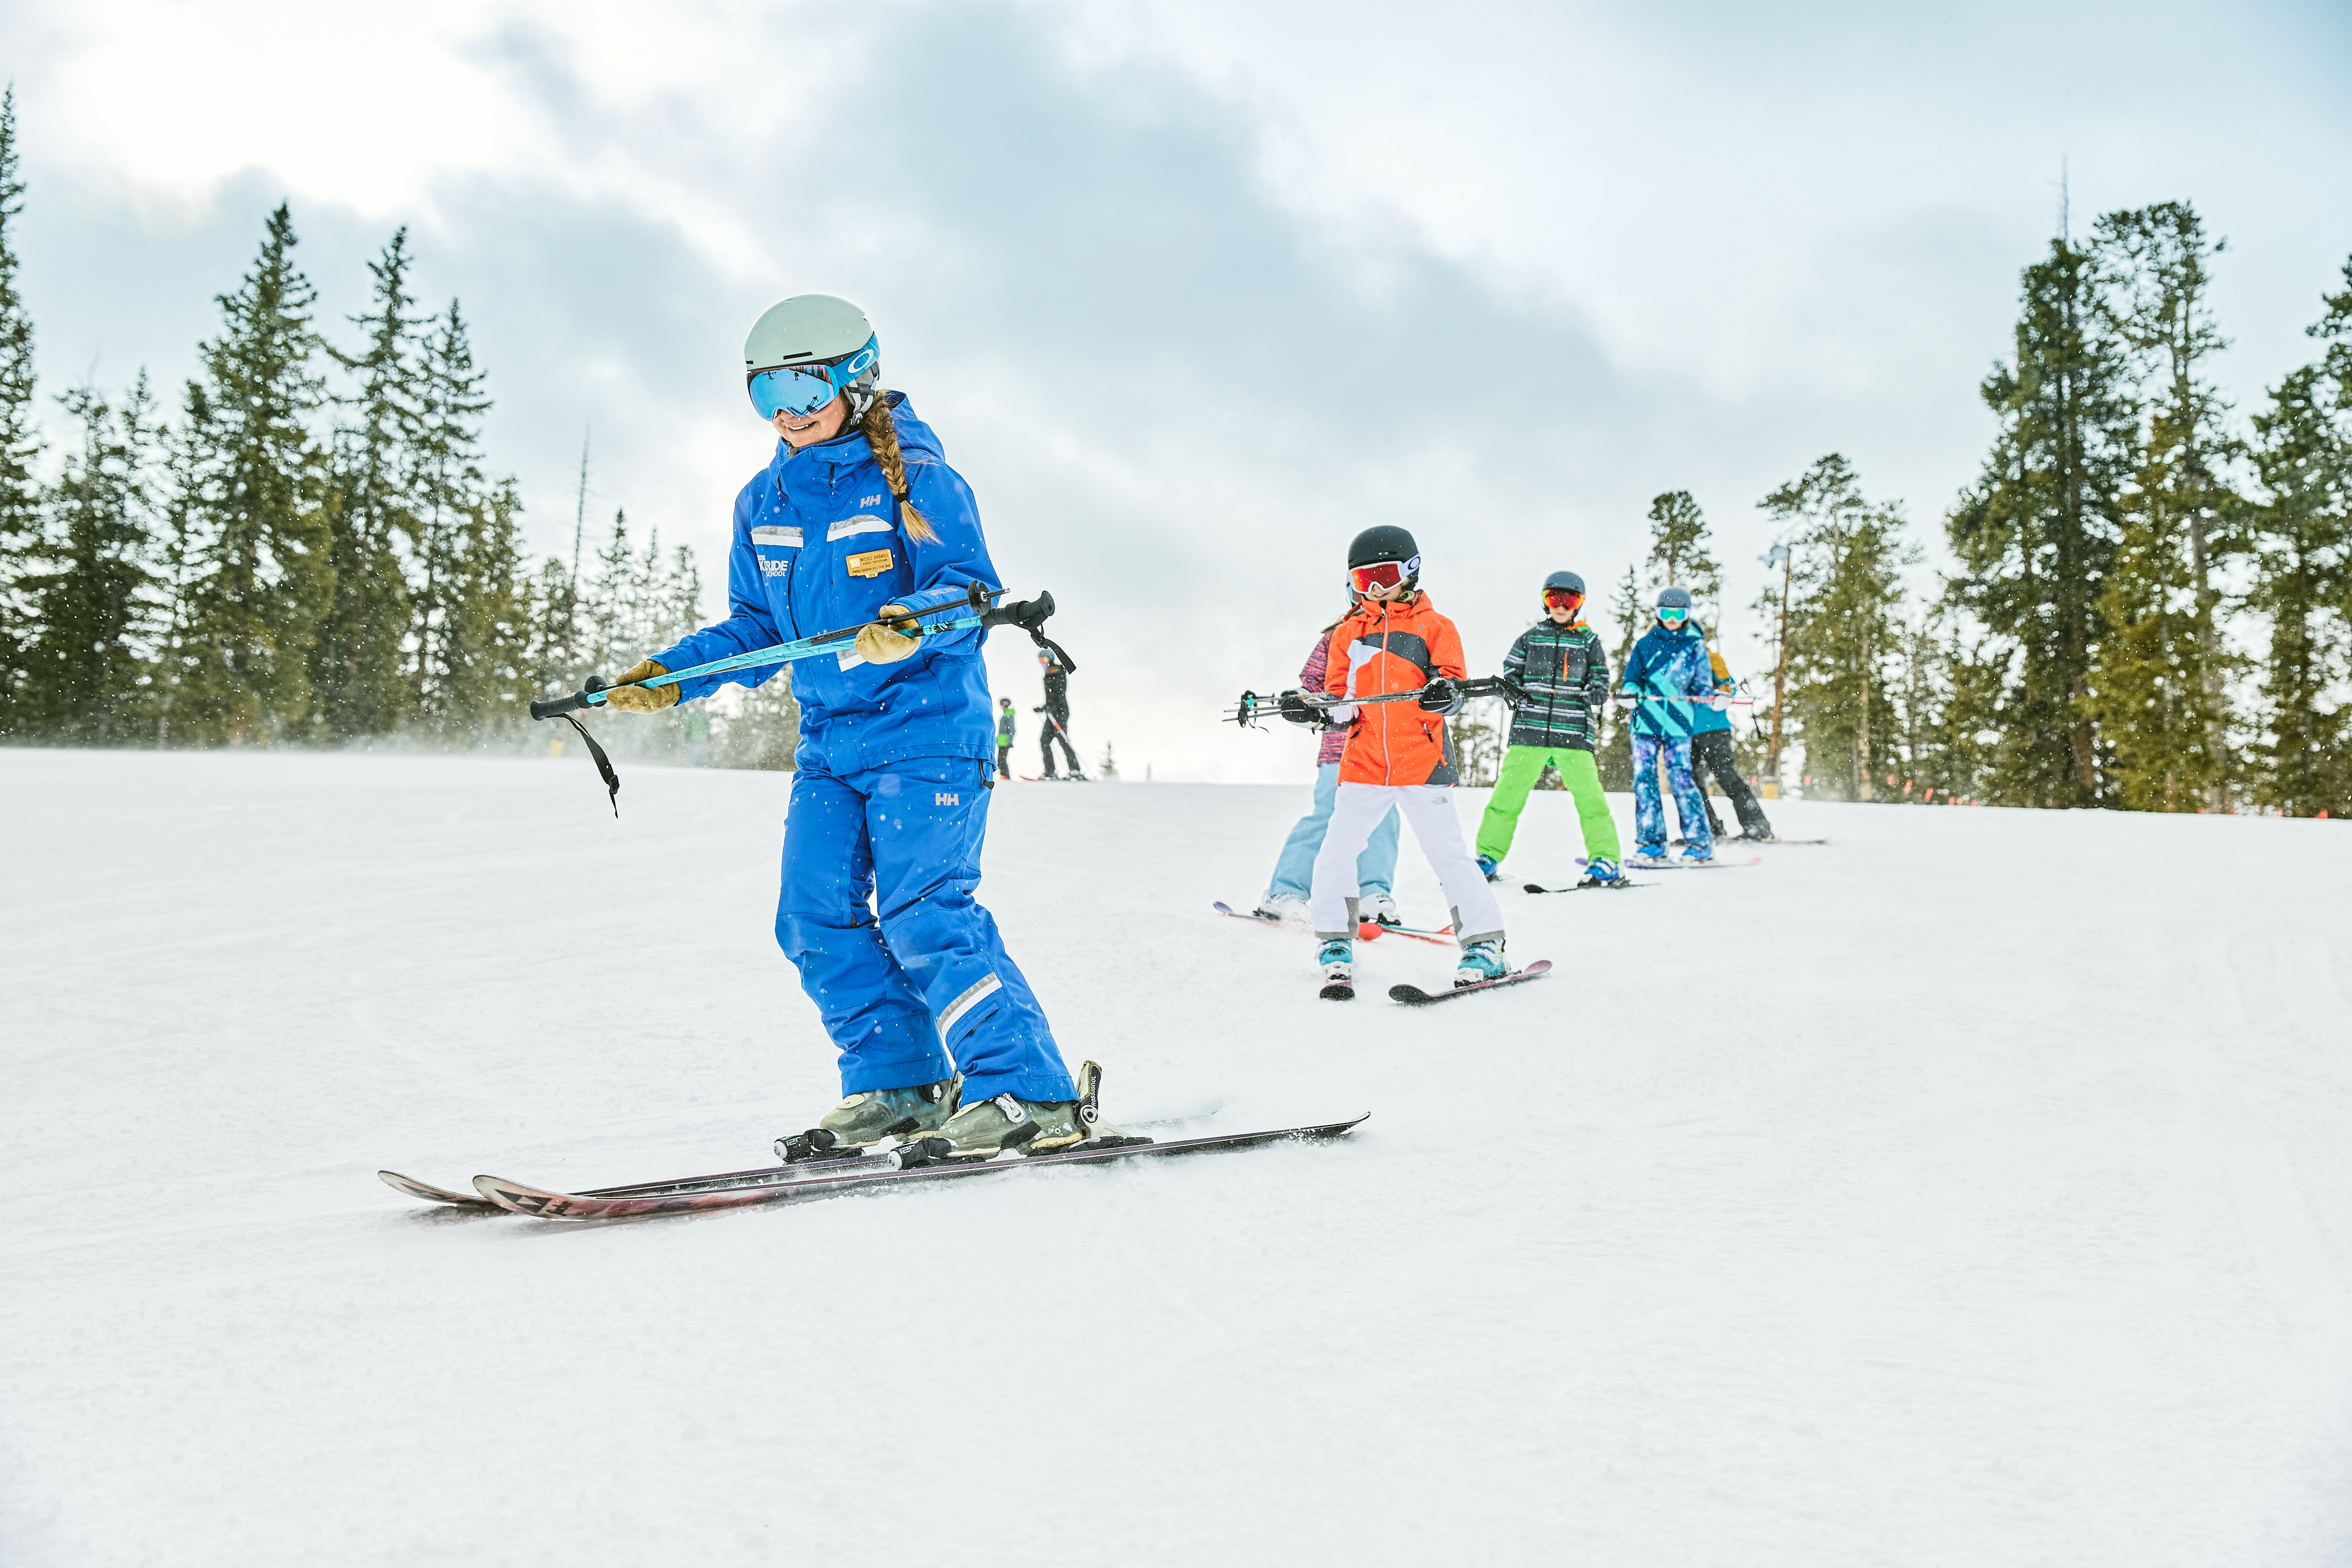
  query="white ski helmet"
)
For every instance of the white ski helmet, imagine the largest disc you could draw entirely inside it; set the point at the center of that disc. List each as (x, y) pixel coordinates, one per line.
(808, 350)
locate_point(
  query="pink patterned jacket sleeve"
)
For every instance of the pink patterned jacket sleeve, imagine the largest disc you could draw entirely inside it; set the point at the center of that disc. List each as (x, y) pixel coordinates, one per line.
(1310, 678)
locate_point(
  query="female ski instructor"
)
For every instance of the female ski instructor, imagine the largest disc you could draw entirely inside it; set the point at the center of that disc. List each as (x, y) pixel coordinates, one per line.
(858, 517)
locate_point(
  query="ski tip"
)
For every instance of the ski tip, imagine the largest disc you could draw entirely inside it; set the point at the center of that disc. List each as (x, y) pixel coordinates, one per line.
(409, 1186)
(1541, 966)
(1337, 994)
(536, 1202)
(1411, 996)
(1224, 908)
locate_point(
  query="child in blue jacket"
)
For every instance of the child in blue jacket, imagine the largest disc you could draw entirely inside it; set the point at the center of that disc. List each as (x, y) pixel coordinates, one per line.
(1667, 675)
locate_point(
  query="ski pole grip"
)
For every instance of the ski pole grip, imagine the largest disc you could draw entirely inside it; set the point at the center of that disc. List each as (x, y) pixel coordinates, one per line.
(557, 707)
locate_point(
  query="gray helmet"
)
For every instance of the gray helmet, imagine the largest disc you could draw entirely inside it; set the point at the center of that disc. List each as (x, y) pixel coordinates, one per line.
(1568, 581)
(818, 329)
(1674, 598)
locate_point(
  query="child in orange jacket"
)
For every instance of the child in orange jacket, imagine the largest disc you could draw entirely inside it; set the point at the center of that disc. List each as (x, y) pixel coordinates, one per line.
(1398, 756)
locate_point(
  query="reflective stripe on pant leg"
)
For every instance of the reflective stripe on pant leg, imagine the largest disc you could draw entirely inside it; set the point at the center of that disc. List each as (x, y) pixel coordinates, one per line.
(873, 1014)
(1430, 809)
(1582, 773)
(928, 817)
(1356, 810)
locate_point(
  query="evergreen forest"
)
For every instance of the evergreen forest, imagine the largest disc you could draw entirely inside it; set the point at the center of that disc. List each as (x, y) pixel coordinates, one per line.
(2147, 604)
(2151, 604)
(308, 545)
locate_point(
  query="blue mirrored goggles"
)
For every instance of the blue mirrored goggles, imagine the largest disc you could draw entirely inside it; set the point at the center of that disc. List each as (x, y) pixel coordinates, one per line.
(1673, 613)
(805, 388)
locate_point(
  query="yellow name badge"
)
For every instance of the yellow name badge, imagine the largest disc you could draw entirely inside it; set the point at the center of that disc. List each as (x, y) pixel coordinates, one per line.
(872, 563)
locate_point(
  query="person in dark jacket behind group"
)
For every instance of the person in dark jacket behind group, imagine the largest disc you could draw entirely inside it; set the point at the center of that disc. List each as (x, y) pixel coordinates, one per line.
(1057, 709)
(1711, 753)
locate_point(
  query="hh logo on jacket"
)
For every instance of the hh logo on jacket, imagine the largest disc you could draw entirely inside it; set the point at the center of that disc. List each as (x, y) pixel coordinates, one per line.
(943, 798)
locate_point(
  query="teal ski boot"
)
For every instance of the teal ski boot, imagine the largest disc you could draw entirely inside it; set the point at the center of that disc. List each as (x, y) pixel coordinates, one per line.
(1338, 961)
(1482, 960)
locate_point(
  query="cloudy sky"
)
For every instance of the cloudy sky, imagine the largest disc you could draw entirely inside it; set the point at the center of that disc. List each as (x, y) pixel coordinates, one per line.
(1193, 291)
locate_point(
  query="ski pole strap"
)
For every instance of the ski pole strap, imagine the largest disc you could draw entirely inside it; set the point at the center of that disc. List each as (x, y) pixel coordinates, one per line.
(604, 763)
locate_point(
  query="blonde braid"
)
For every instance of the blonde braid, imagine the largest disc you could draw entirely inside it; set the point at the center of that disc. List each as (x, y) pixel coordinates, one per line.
(882, 435)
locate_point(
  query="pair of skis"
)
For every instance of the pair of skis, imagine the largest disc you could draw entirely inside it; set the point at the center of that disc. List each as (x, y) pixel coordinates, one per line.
(815, 1178)
(1367, 930)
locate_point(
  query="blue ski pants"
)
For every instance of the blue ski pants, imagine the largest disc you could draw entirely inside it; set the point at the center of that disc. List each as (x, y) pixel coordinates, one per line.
(906, 968)
(1294, 869)
(1649, 812)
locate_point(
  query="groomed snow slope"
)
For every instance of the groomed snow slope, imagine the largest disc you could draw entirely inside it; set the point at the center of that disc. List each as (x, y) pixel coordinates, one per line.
(1975, 1190)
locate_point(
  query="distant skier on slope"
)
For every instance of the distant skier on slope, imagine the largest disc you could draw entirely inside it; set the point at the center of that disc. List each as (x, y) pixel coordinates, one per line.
(1667, 672)
(1004, 724)
(1294, 868)
(858, 516)
(1563, 669)
(1711, 752)
(1056, 709)
(1398, 757)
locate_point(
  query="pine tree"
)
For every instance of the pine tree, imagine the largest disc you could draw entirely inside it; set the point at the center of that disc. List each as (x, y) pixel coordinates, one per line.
(1843, 625)
(1616, 755)
(1678, 553)
(486, 638)
(356, 666)
(264, 581)
(89, 666)
(2037, 535)
(20, 440)
(451, 491)
(2302, 584)
(2156, 682)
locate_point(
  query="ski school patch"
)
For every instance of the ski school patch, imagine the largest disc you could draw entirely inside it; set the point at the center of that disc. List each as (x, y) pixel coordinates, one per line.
(871, 564)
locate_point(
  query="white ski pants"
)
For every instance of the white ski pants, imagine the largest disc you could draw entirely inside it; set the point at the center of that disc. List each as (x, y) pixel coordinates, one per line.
(1358, 809)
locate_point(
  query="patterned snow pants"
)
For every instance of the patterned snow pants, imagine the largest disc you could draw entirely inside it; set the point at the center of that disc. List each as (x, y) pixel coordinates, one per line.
(1649, 812)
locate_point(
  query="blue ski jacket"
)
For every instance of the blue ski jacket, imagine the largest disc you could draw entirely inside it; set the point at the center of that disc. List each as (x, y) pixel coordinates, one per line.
(1666, 670)
(818, 545)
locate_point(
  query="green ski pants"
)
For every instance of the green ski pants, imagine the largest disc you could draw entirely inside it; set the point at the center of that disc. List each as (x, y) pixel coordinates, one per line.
(1522, 765)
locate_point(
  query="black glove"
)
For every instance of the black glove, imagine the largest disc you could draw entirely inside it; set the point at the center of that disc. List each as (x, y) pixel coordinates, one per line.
(1296, 707)
(1039, 708)
(1443, 695)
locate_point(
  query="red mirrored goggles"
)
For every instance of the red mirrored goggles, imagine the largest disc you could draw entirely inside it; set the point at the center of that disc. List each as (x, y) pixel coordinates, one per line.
(1383, 574)
(1562, 599)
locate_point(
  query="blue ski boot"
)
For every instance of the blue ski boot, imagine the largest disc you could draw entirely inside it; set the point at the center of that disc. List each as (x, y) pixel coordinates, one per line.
(1338, 961)
(1482, 960)
(1602, 872)
(1490, 868)
(1694, 854)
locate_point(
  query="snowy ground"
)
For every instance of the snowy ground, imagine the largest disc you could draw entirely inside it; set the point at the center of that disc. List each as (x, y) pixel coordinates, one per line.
(1975, 1190)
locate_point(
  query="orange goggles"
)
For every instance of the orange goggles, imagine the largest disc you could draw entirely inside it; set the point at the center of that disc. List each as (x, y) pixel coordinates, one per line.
(1562, 599)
